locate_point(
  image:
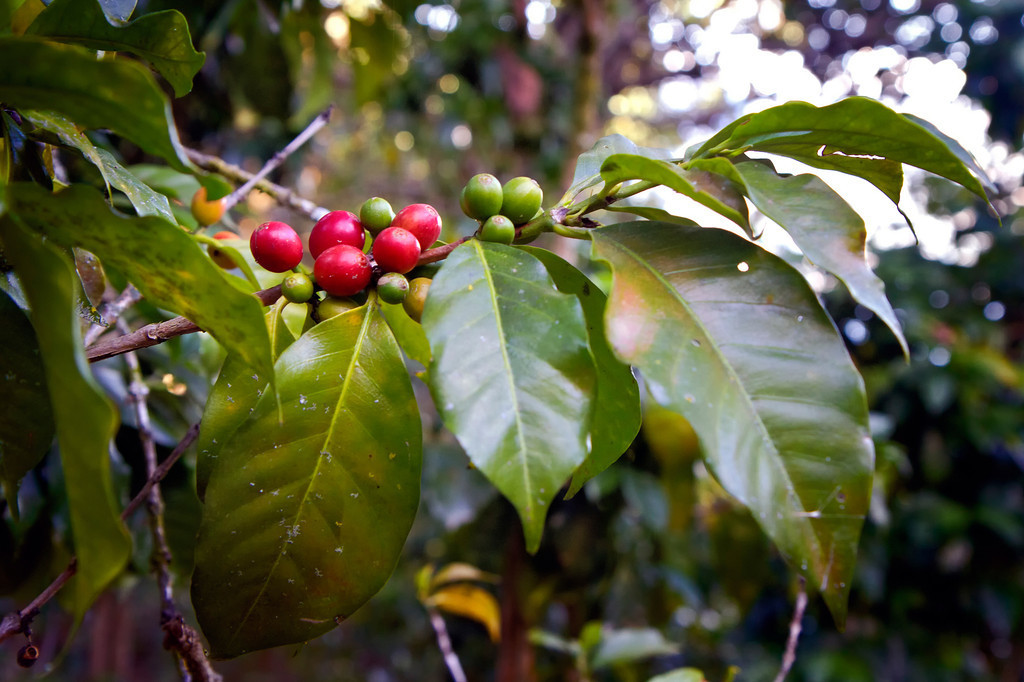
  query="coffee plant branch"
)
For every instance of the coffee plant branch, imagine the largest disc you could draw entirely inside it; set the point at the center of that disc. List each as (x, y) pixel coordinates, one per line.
(277, 159)
(281, 195)
(18, 622)
(789, 657)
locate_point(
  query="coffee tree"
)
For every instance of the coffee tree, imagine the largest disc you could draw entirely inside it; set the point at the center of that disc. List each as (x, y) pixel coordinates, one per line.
(308, 453)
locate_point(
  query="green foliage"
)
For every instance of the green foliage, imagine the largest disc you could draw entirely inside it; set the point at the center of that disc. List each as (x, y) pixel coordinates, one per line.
(512, 375)
(309, 455)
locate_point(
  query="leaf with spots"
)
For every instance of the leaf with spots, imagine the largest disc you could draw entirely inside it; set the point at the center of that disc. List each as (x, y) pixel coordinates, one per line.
(512, 375)
(306, 514)
(732, 338)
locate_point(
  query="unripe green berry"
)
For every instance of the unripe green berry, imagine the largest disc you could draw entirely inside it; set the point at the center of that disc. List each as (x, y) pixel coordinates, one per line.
(297, 287)
(333, 306)
(376, 214)
(481, 197)
(416, 298)
(498, 229)
(521, 199)
(392, 287)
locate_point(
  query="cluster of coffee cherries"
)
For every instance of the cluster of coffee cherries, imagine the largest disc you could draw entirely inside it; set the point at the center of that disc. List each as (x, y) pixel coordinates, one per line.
(500, 208)
(340, 266)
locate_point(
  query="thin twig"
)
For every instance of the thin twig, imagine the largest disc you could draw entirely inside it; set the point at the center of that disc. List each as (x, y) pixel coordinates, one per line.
(14, 623)
(441, 252)
(111, 312)
(789, 657)
(158, 332)
(281, 195)
(444, 643)
(277, 159)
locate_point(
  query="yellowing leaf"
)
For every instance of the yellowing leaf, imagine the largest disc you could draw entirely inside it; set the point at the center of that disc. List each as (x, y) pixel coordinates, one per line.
(470, 601)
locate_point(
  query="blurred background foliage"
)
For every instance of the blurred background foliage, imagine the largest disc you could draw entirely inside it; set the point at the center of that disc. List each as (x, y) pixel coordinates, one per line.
(652, 551)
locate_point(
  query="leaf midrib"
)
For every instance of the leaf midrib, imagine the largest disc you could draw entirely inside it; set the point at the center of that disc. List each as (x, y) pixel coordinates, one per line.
(728, 366)
(346, 382)
(520, 437)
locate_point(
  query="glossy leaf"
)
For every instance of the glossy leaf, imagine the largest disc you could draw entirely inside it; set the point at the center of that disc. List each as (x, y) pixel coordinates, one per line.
(305, 517)
(588, 164)
(732, 338)
(616, 419)
(470, 601)
(160, 38)
(85, 419)
(26, 421)
(142, 197)
(829, 232)
(160, 258)
(857, 135)
(512, 375)
(71, 81)
(233, 398)
(408, 332)
(709, 189)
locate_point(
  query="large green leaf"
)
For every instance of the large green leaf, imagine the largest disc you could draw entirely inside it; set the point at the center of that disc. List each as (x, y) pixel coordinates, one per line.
(26, 421)
(732, 338)
(715, 191)
(233, 398)
(86, 421)
(305, 517)
(616, 419)
(143, 198)
(161, 259)
(160, 38)
(119, 94)
(857, 135)
(827, 230)
(512, 375)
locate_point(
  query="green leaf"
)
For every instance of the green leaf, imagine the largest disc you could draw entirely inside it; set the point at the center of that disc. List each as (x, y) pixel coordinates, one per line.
(233, 398)
(7, 10)
(93, 93)
(86, 421)
(715, 191)
(144, 199)
(160, 38)
(26, 421)
(408, 332)
(733, 338)
(512, 375)
(588, 165)
(680, 675)
(616, 419)
(161, 259)
(629, 645)
(857, 135)
(827, 230)
(305, 517)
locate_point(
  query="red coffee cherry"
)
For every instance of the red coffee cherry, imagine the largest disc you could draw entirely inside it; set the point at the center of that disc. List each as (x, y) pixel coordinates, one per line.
(396, 250)
(276, 246)
(337, 227)
(422, 220)
(342, 270)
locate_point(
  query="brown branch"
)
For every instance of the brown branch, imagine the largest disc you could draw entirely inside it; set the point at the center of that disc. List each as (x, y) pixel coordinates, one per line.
(14, 623)
(441, 252)
(158, 332)
(277, 159)
(789, 657)
(281, 195)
